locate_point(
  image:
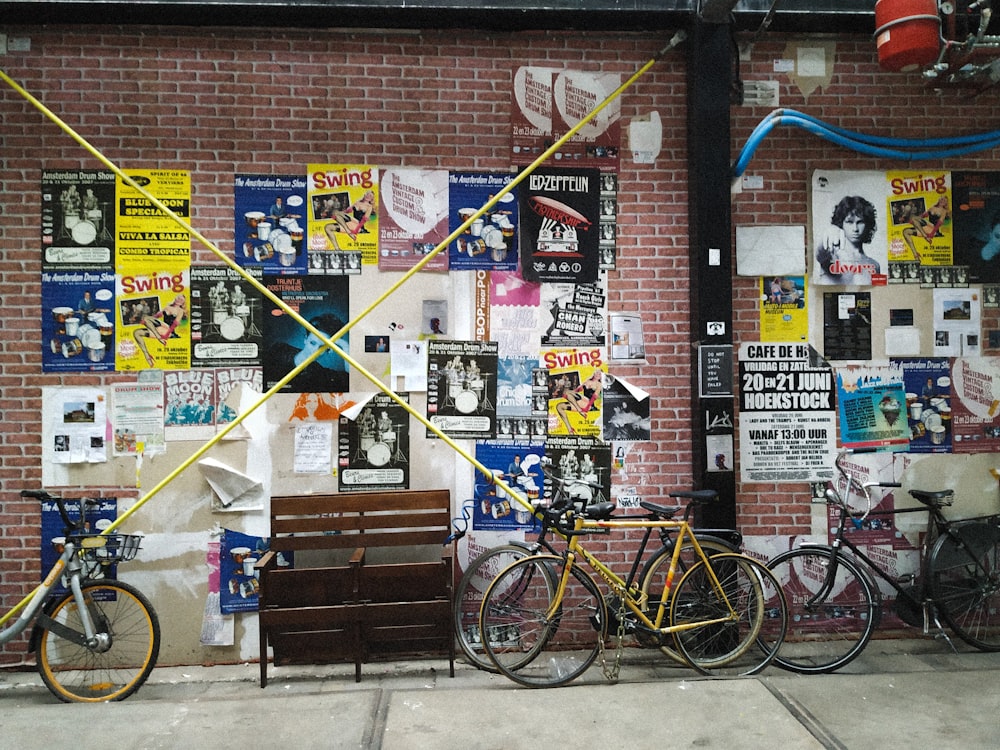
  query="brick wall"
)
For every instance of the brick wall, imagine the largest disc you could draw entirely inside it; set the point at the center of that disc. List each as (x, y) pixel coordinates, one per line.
(217, 102)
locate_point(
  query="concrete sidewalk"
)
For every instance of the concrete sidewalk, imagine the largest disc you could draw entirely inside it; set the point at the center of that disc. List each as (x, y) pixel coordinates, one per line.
(898, 694)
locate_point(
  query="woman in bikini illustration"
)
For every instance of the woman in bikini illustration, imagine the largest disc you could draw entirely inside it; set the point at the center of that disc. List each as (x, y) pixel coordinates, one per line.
(581, 399)
(160, 326)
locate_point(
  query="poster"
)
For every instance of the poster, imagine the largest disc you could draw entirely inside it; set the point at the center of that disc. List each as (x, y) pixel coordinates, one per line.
(849, 240)
(152, 318)
(627, 341)
(313, 448)
(78, 219)
(609, 219)
(919, 210)
(78, 328)
(226, 317)
(462, 388)
(574, 314)
(75, 425)
(584, 458)
(977, 224)
(147, 239)
(928, 403)
(101, 512)
(847, 325)
(189, 404)
(414, 218)
(374, 449)
(531, 113)
(975, 404)
(559, 229)
(518, 464)
(324, 303)
(239, 585)
(575, 95)
(514, 393)
(871, 402)
(788, 419)
(626, 412)
(137, 418)
(270, 221)
(490, 242)
(576, 390)
(343, 215)
(511, 315)
(228, 379)
(784, 314)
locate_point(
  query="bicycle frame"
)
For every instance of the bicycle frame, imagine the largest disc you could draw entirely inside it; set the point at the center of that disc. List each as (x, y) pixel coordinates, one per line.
(70, 566)
(627, 592)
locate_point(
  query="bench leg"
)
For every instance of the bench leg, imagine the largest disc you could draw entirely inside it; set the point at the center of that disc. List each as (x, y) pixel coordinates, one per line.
(263, 658)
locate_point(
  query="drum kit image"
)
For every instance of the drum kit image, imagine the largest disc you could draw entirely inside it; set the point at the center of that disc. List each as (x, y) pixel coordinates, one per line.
(379, 441)
(79, 332)
(232, 315)
(466, 387)
(83, 217)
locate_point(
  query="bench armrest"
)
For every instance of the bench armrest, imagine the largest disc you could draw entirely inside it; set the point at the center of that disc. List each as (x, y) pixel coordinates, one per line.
(268, 561)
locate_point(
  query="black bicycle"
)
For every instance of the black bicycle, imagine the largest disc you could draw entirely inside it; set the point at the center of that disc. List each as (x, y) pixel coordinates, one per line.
(482, 570)
(834, 604)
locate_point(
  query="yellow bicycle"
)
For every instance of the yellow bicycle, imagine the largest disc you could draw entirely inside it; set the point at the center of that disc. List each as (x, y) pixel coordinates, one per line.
(549, 620)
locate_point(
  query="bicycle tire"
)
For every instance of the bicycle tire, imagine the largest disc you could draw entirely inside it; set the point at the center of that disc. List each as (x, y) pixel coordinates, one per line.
(965, 583)
(113, 672)
(654, 575)
(826, 635)
(469, 598)
(734, 648)
(539, 651)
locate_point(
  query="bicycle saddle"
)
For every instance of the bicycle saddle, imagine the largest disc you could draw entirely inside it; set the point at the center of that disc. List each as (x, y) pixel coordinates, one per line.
(666, 512)
(936, 499)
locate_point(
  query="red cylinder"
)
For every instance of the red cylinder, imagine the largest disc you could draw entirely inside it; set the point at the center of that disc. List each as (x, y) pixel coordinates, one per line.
(907, 34)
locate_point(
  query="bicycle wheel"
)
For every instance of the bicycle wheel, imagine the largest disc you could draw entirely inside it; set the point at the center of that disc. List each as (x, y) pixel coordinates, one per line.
(965, 583)
(129, 642)
(752, 600)
(469, 598)
(829, 622)
(530, 646)
(654, 578)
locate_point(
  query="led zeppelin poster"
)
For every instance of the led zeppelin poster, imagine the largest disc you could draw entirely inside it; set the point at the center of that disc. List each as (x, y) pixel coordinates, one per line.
(560, 235)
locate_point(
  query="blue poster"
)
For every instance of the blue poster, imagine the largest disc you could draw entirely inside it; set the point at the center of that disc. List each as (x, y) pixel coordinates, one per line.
(78, 331)
(871, 402)
(270, 222)
(490, 242)
(518, 464)
(238, 582)
(928, 403)
(99, 517)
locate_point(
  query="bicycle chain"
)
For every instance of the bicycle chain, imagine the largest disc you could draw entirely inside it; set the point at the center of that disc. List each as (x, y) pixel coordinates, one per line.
(611, 673)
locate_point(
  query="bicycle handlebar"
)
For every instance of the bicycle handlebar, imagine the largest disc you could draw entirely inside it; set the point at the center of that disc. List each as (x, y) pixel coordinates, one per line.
(862, 488)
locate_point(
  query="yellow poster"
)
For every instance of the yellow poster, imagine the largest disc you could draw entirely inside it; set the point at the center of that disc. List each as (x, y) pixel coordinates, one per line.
(343, 210)
(152, 319)
(784, 315)
(919, 217)
(145, 235)
(576, 390)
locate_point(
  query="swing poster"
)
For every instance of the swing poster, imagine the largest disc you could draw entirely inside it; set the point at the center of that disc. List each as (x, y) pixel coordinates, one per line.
(919, 217)
(152, 319)
(343, 210)
(576, 395)
(78, 218)
(462, 388)
(374, 449)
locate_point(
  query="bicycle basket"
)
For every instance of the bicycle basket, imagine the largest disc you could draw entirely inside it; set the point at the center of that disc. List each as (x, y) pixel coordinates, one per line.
(107, 549)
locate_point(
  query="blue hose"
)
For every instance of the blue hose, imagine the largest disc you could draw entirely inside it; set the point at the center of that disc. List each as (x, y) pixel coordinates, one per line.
(932, 148)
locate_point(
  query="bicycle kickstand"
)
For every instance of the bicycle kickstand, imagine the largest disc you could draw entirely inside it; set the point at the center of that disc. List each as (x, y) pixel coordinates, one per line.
(930, 614)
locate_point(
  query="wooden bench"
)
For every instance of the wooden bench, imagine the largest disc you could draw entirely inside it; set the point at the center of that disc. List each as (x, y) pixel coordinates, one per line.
(362, 593)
